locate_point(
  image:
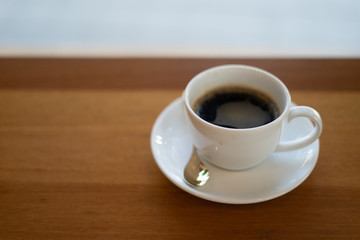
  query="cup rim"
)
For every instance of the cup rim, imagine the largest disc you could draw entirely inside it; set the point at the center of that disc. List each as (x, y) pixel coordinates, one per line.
(237, 66)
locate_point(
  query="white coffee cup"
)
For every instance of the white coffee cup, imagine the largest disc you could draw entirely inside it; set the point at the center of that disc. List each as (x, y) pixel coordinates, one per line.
(239, 149)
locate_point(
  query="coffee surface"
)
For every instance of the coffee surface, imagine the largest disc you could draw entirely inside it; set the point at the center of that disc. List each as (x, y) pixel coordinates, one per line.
(236, 107)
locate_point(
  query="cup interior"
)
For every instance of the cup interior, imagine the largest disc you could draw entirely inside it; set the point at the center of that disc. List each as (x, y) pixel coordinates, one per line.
(241, 75)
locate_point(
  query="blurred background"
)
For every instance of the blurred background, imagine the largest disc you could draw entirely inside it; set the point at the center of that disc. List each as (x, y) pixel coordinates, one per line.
(180, 28)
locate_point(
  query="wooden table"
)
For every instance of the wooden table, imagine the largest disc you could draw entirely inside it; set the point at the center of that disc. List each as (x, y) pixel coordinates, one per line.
(75, 158)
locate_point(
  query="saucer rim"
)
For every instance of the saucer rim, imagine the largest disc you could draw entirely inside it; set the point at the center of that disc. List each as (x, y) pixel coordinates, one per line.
(193, 190)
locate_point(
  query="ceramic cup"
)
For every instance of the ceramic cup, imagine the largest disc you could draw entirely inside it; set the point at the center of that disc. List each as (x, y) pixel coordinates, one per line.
(239, 149)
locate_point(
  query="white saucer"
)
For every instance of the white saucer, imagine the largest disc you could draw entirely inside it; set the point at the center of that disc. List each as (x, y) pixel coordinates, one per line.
(279, 174)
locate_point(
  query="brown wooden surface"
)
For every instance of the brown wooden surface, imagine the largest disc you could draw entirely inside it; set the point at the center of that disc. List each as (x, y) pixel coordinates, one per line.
(75, 158)
(311, 74)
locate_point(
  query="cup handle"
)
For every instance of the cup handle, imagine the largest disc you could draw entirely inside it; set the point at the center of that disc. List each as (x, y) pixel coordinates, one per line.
(314, 116)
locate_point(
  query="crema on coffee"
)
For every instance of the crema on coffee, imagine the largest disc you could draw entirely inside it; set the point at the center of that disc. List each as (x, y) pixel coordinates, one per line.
(236, 107)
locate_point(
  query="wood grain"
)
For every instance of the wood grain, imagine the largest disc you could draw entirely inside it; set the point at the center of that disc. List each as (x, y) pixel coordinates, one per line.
(313, 74)
(75, 163)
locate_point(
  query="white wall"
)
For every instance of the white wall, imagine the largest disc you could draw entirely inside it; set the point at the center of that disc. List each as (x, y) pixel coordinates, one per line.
(230, 28)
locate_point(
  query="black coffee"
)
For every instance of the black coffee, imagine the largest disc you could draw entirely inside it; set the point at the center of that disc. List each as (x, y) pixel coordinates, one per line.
(237, 107)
